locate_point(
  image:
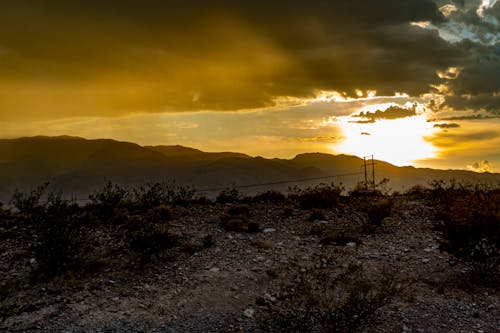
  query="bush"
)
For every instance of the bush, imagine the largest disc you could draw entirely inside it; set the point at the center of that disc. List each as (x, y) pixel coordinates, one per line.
(29, 203)
(270, 196)
(315, 300)
(376, 210)
(107, 198)
(317, 214)
(57, 249)
(229, 196)
(147, 239)
(470, 224)
(321, 196)
(237, 218)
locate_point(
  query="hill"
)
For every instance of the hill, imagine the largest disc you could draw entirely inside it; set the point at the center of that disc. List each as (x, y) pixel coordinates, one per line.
(77, 166)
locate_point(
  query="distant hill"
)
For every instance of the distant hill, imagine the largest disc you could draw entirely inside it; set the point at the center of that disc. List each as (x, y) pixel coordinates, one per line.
(77, 167)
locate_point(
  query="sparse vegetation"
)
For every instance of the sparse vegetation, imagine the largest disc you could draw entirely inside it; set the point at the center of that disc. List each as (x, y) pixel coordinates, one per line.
(29, 204)
(376, 211)
(317, 300)
(229, 196)
(56, 241)
(469, 218)
(321, 196)
(270, 196)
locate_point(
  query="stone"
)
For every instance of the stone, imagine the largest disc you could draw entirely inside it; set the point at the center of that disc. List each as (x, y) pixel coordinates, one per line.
(249, 312)
(268, 230)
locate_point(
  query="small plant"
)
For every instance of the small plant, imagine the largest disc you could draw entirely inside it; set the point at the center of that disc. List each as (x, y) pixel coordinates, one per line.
(321, 196)
(107, 198)
(229, 196)
(152, 195)
(287, 212)
(316, 215)
(57, 249)
(376, 210)
(208, 241)
(29, 203)
(339, 238)
(237, 218)
(147, 239)
(470, 223)
(270, 196)
(315, 300)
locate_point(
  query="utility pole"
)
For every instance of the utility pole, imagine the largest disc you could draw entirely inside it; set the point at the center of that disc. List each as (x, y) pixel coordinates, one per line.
(366, 178)
(373, 173)
(365, 166)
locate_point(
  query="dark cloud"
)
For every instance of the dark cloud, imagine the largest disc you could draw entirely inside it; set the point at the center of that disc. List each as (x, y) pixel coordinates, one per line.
(392, 112)
(476, 30)
(164, 55)
(447, 125)
(475, 136)
(451, 140)
(468, 117)
(483, 166)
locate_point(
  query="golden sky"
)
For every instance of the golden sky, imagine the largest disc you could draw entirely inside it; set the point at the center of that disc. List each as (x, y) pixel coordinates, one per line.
(412, 82)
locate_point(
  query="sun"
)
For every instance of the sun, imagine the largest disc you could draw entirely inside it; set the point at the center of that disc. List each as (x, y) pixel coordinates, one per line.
(397, 141)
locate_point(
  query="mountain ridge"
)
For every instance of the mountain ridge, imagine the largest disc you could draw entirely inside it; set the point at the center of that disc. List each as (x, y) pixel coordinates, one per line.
(80, 166)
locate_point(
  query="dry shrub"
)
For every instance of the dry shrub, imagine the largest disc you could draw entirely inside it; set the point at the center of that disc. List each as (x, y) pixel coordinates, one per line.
(470, 224)
(316, 300)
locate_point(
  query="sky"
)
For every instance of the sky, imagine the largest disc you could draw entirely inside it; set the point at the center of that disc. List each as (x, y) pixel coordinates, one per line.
(413, 82)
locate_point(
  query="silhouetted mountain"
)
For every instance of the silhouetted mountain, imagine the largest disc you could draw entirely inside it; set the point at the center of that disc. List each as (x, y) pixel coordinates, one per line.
(78, 166)
(184, 153)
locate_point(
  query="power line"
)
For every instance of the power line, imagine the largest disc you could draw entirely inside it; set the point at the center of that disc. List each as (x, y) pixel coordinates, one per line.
(281, 182)
(299, 180)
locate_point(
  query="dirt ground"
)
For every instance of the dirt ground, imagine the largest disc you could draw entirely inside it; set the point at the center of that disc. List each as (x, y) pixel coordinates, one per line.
(227, 287)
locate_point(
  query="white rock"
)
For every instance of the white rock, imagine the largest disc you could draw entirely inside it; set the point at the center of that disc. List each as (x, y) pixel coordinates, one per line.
(214, 270)
(351, 244)
(425, 261)
(249, 313)
(268, 230)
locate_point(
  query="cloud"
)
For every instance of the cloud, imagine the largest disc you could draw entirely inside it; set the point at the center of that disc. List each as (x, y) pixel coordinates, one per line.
(474, 27)
(483, 166)
(467, 117)
(392, 112)
(449, 140)
(118, 57)
(446, 125)
(319, 139)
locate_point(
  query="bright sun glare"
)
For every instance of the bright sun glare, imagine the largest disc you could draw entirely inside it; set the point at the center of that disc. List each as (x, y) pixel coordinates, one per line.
(397, 141)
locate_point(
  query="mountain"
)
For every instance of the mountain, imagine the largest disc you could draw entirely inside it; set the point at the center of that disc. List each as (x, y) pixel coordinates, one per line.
(77, 167)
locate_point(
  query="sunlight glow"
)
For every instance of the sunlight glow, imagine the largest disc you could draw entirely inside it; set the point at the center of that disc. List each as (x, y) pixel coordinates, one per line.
(397, 141)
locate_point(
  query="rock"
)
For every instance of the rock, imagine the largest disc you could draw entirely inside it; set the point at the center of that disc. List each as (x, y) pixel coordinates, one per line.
(425, 261)
(269, 298)
(264, 244)
(268, 230)
(351, 244)
(405, 328)
(214, 270)
(249, 313)
(491, 307)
